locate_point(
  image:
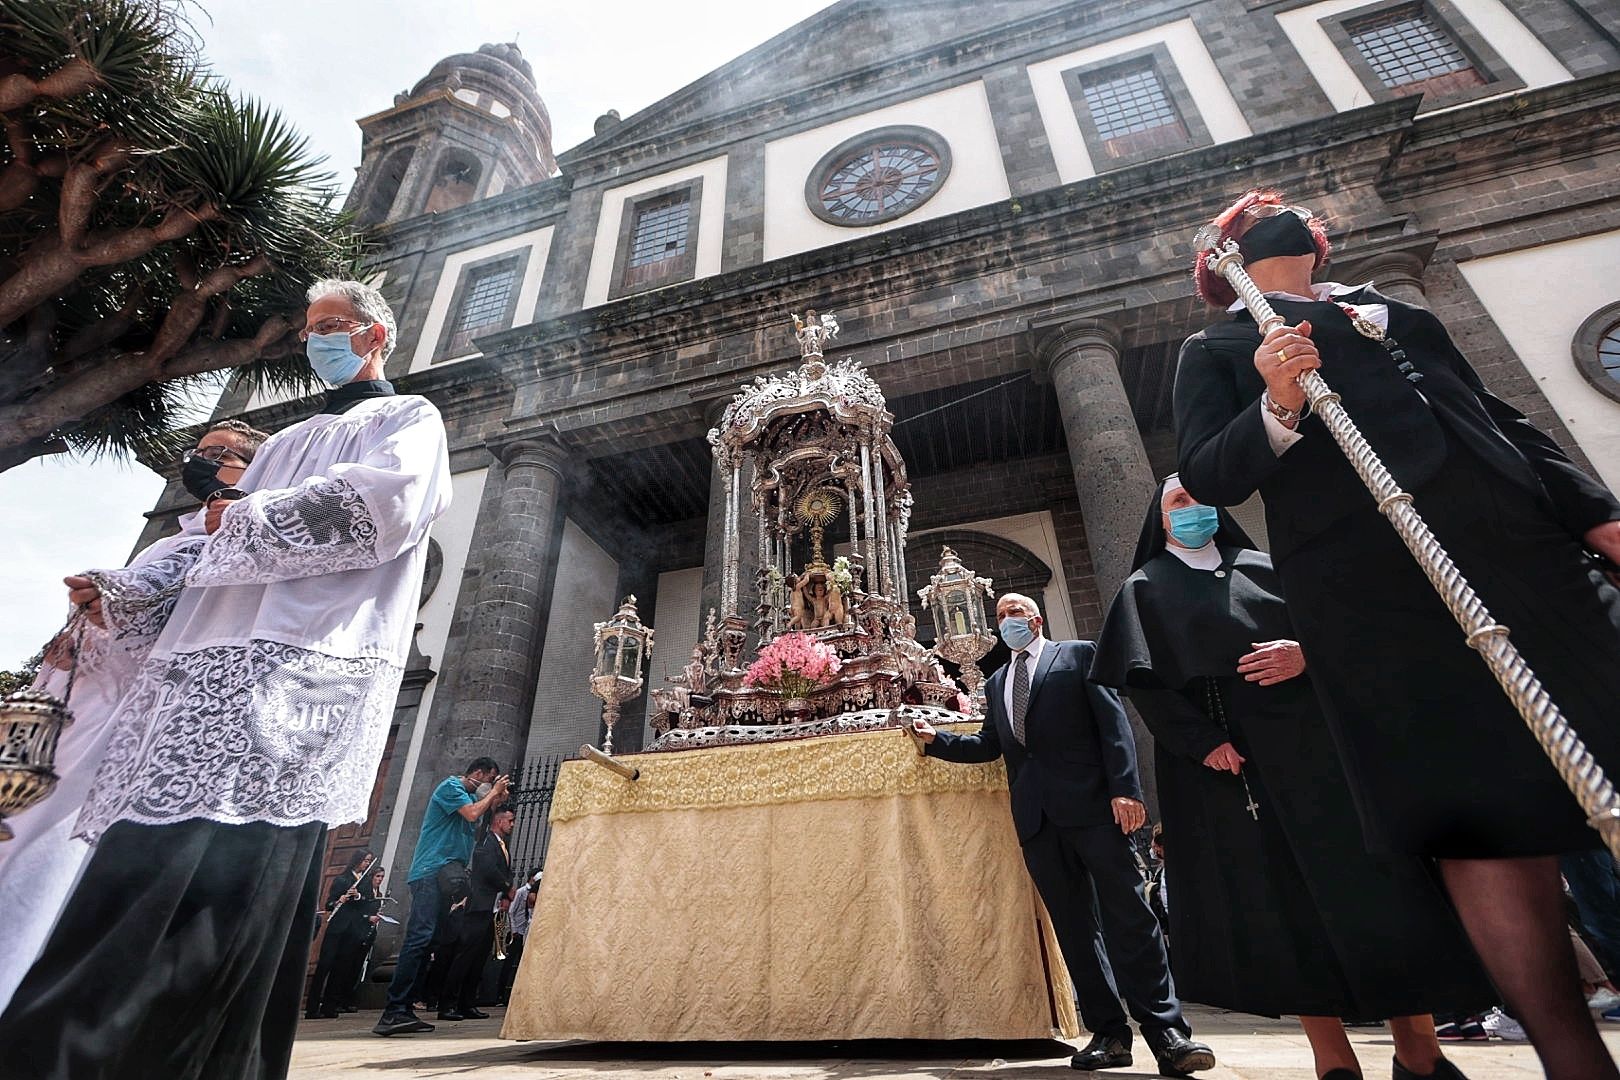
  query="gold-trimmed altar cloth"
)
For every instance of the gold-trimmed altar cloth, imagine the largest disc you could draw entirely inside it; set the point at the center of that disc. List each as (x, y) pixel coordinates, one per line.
(832, 888)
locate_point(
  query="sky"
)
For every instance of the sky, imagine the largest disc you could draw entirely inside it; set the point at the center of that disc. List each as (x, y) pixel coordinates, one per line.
(324, 65)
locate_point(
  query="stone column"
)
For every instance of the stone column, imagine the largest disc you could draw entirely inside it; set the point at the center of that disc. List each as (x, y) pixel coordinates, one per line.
(501, 659)
(1396, 273)
(1111, 470)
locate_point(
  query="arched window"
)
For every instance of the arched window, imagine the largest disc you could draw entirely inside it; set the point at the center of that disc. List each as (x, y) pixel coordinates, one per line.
(385, 187)
(454, 182)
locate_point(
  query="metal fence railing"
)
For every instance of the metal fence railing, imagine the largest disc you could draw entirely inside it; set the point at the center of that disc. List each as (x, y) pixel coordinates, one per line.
(532, 788)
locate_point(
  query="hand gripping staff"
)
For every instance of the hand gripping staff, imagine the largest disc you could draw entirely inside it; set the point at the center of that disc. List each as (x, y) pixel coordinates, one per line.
(1575, 764)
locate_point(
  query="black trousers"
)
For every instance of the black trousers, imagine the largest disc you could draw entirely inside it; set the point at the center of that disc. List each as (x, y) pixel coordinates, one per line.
(475, 934)
(1109, 936)
(181, 954)
(337, 968)
(509, 967)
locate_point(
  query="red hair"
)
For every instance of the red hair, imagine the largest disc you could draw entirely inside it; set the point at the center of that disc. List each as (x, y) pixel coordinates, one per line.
(1215, 290)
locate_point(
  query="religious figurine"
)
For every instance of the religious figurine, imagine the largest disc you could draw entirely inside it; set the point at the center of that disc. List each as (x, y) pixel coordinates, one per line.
(837, 611)
(813, 332)
(797, 604)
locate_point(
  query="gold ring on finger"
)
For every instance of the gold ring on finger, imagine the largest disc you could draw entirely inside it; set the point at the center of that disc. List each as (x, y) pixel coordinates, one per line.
(1282, 356)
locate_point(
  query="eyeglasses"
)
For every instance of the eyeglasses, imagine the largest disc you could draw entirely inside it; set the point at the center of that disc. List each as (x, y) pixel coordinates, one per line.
(1270, 210)
(334, 325)
(215, 454)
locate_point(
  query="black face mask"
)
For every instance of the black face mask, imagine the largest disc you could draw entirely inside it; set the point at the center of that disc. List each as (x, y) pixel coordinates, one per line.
(1282, 234)
(201, 478)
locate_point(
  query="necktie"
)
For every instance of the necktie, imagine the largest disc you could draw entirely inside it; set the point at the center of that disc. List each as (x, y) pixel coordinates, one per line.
(1020, 704)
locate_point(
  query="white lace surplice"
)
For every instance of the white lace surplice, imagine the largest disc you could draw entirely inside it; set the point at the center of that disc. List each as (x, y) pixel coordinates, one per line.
(268, 693)
(39, 868)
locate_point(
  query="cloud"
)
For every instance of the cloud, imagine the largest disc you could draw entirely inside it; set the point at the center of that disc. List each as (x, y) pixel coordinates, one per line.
(325, 65)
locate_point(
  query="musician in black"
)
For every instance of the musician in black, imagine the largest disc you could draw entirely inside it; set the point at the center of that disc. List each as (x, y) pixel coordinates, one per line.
(351, 968)
(1438, 760)
(350, 903)
(491, 887)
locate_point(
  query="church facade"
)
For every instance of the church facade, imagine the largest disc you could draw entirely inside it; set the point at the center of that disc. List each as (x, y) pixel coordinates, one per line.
(996, 200)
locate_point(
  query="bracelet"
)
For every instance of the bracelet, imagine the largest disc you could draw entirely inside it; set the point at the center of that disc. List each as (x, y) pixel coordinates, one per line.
(1287, 416)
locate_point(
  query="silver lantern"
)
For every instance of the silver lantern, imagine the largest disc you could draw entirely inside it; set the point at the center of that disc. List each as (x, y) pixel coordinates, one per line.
(622, 648)
(955, 597)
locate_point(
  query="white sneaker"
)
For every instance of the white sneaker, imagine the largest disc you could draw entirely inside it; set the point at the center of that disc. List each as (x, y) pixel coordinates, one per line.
(1603, 999)
(1503, 1026)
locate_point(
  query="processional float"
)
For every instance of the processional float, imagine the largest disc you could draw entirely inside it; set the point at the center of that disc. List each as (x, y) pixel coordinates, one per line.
(808, 455)
(1569, 755)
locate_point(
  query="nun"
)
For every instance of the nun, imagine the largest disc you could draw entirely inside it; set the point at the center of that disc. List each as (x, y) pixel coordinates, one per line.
(1438, 759)
(1283, 911)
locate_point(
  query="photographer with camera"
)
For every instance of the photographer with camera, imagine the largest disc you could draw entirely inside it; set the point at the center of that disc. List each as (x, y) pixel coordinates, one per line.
(438, 879)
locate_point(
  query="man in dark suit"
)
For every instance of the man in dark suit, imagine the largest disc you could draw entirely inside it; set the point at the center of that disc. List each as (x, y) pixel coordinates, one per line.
(1071, 773)
(490, 884)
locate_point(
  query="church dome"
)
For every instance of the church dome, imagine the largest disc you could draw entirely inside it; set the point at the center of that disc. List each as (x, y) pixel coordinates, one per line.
(498, 80)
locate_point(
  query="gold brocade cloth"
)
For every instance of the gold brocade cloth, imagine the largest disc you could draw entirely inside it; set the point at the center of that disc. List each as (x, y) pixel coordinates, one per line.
(833, 888)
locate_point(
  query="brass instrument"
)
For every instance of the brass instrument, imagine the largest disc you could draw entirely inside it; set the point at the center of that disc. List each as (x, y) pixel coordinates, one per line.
(503, 934)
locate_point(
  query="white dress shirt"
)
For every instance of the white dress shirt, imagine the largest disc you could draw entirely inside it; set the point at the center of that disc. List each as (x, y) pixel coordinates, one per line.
(1034, 651)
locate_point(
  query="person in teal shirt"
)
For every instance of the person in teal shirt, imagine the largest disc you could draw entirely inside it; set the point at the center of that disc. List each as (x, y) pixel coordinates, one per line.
(448, 827)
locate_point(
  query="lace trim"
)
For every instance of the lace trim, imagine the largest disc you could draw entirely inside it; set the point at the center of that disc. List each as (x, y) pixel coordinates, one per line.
(136, 601)
(869, 765)
(239, 733)
(321, 528)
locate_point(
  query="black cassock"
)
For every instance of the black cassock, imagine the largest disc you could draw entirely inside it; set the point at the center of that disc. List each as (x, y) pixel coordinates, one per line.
(1438, 760)
(1275, 905)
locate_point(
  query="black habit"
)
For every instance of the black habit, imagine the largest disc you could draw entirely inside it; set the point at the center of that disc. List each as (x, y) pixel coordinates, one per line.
(1275, 906)
(1438, 760)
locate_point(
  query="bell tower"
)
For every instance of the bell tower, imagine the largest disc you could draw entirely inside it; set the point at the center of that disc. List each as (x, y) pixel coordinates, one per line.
(472, 128)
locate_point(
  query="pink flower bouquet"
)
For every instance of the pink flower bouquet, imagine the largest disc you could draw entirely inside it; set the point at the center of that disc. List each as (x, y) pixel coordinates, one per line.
(793, 665)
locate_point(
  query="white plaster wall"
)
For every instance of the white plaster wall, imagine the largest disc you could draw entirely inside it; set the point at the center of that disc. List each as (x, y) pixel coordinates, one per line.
(1539, 297)
(677, 618)
(1032, 531)
(565, 712)
(1513, 42)
(960, 115)
(711, 223)
(454, 533)
(1214, 102)
(538, 243)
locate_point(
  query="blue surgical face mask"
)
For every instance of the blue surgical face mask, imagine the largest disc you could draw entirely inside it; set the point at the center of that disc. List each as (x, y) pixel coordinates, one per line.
(1016, 632)
(332, 357)
(1194, 526)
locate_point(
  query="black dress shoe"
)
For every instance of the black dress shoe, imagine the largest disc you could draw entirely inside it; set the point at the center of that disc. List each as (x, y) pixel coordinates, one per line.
(450, 1014)
(1340, 1074)
(347, 1009)
(1103, 1052)
(1178, 1055)
(312, 1015)
(474, 1014)
(1443, 1070)
(329, 1013)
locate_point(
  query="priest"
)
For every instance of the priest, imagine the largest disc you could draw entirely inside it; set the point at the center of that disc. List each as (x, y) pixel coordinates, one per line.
(256, 723)
(1288, 913)
(1438, 759)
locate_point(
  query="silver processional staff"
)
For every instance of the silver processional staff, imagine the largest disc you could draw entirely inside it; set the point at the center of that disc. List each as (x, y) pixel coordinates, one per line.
(1569, 755)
